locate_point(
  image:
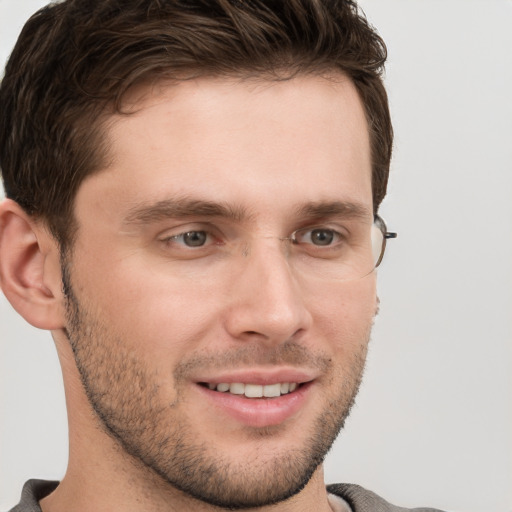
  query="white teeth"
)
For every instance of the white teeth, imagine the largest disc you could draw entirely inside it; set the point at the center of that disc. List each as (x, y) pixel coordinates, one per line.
(255, 390)
(237, 388)
(272, 390)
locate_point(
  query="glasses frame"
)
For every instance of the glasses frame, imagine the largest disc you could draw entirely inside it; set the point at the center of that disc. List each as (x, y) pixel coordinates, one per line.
(386, 235)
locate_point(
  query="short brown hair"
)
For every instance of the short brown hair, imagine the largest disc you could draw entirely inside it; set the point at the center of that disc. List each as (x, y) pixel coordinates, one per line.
(75, 60)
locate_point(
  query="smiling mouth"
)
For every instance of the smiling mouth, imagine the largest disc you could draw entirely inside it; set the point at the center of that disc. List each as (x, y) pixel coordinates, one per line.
(254, 390)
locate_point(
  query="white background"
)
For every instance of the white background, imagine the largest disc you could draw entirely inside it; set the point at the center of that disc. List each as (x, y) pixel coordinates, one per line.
(433, 422)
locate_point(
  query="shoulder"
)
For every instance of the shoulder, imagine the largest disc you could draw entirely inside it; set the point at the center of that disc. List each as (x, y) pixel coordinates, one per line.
(33, 492)
(362, 500)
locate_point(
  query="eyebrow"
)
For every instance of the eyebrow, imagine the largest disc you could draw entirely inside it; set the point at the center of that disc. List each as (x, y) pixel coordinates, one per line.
(346, 209)
(183, 208)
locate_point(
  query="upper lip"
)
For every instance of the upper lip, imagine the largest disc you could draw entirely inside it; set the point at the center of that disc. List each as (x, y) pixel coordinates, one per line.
(260, 376)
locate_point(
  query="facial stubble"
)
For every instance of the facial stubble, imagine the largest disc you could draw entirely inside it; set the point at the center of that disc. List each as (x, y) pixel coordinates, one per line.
(158, 437)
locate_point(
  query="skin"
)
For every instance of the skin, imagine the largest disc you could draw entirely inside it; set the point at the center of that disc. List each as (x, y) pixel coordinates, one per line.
(148, 318)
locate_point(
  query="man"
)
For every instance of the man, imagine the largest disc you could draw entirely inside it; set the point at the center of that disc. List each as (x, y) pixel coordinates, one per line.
(193, 191)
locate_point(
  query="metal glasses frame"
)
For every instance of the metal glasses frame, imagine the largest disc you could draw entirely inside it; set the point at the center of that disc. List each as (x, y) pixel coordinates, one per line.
(386, 235)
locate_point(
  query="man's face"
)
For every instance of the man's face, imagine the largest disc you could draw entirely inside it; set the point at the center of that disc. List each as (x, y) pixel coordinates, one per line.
(182, 280)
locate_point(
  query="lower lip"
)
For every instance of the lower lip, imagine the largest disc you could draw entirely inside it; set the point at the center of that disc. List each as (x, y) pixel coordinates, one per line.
(259, 412)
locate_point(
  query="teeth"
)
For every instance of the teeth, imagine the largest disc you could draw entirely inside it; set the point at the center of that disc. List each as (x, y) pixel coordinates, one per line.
(255, 390)
(237, 388)
(272, 390)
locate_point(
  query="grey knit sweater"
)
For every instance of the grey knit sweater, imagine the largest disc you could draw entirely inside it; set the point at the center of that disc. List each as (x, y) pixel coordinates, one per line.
(359, 499)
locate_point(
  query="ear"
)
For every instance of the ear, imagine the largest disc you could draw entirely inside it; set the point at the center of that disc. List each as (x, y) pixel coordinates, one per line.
(30, 274)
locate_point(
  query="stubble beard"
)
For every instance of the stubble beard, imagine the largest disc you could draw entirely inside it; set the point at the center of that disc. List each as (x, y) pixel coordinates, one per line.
(125, 395)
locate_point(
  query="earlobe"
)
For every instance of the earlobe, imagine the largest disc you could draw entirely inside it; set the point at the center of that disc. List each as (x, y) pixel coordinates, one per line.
(30, 268)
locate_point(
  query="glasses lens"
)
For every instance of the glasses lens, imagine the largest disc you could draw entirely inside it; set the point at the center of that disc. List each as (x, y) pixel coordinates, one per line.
(351, 253)
(378, 243)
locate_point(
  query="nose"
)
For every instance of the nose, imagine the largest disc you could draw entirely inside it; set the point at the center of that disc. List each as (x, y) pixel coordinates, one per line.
(266, 300)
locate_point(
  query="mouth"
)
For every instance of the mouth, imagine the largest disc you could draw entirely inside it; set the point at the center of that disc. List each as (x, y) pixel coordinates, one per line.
(258, 398)
(257, 405)
(249, 390)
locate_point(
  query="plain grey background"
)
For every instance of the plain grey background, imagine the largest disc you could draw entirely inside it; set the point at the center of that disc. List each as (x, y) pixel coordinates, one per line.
(433, 421)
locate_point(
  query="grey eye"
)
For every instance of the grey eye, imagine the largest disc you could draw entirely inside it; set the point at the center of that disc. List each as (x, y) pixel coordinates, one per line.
(195, 238)
(319, 237)
(322, 236)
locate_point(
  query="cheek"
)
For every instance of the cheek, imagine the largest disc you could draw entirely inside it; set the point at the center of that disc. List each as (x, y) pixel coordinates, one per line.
(150, 307)
(160, 312)
(345, 315)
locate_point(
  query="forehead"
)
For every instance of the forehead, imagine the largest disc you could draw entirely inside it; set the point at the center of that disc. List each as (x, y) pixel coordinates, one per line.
(230, 140)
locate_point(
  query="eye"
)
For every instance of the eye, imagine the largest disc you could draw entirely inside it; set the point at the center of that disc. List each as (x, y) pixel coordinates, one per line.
(322, 236)
(190, 238)
(194, 238)
(189, 242)
(319, 237)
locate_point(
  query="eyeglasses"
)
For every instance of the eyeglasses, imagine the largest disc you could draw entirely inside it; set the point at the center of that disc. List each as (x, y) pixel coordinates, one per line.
(379, 239)
(335, 250)
(344, 255)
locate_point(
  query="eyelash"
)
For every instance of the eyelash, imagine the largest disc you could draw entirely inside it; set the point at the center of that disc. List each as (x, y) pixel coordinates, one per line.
(338, 237)
(296, 238)
(168, 240)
